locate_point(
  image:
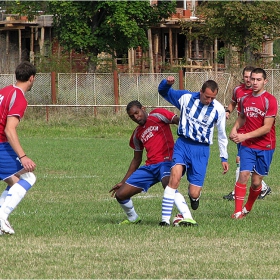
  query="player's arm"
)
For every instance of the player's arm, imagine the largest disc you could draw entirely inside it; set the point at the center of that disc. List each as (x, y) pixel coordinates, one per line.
(264, 129)
(134, 164)
(231, 106)
(175, 120)
(12, 136)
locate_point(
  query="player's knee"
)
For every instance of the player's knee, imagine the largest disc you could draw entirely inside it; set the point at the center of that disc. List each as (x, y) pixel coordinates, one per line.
(29, 177)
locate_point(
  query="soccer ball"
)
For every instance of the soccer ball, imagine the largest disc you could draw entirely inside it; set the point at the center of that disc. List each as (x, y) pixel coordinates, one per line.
(177, 219)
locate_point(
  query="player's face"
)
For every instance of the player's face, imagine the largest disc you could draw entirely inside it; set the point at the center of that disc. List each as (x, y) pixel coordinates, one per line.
(138, 115)
(247, 79)
(258, 82)
(207, 96)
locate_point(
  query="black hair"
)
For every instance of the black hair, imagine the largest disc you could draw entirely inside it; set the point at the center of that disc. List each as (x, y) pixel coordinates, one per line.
(133, 103)
(24, 71)
(210, 84)
(248, 69)
(259, 71)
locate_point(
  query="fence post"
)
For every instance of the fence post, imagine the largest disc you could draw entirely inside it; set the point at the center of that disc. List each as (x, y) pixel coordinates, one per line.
(181, 79)
(53, 87)
(116, 90)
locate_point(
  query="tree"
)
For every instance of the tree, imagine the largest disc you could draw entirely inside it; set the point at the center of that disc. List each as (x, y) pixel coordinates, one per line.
(113, 27)
(243, 24)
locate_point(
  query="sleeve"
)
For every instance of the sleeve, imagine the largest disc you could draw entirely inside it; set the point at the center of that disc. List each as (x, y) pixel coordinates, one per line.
(272, 107)
(17, 105)
(169, 94)
(164, 115)
(135, 142)
(222, 136)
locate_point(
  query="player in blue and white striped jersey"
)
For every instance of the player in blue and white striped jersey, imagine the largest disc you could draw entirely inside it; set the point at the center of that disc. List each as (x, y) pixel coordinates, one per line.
(200, 112)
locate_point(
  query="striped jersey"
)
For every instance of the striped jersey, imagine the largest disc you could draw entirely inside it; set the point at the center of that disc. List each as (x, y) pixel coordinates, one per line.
(197, 120)
(12, 103)
(155, 137)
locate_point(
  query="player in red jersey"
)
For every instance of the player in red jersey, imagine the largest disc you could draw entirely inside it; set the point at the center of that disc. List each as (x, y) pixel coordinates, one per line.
(16, 168)
(257, 117)
(153, 134)
(240, 91)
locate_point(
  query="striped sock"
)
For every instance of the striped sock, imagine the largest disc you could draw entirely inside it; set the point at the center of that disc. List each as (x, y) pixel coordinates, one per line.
(167, 204)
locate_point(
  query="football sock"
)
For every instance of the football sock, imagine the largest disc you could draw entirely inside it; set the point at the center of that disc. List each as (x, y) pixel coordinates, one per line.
(167, 204)
(237, 173)
(4, 195)
(127, 206)
(253, 195)
(14, 196)
(240, 192)
(182, 205)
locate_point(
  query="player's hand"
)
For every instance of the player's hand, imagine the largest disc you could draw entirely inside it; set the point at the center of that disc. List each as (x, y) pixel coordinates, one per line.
(114, 189)
(225, 166)
(28, 164)
(170, 80)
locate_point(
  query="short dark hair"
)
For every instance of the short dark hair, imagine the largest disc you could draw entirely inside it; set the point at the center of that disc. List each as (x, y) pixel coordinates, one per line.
(24, 71)
(133, 103)
(259, 71)
(248, 69)
(210, 84)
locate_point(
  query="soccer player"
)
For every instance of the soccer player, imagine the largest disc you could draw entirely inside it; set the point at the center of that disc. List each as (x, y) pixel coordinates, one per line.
(153, 134)
(16, 168)
(200, 111)
(257, 117)
(240, 91)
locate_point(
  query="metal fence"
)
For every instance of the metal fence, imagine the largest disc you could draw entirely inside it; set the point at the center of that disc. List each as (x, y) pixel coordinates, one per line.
(97, 90)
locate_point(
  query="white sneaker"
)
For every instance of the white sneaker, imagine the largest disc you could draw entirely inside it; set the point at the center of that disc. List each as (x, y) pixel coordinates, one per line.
(245, 211)
(5, 227)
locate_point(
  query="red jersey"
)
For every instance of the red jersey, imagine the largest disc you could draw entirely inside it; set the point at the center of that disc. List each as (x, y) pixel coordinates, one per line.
(256, 109)
(155, 136)
(12, 103)
(237, 94)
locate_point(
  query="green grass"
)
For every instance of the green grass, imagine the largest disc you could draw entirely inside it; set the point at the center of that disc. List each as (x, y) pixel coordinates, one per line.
(66, 225)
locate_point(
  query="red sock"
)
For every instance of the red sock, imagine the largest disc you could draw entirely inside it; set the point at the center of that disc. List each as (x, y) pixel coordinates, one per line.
(240, 192)
(253, 195)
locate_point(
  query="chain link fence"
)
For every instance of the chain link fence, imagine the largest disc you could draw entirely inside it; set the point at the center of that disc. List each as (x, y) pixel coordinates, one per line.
(96, 93)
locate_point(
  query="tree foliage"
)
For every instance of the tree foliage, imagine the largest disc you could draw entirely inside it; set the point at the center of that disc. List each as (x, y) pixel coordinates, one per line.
(244, 24)
(106, 26)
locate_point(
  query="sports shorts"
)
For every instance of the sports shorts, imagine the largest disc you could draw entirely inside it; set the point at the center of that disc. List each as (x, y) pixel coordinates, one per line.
(194, 156)
(9, 161)
(256, 160)
(148, 175)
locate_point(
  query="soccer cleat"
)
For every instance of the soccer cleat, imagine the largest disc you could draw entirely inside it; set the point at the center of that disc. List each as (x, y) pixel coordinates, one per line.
(128, 222)
(245, 211)
(229, 196)
(5, 227)
(194, 202)
(237, 215)
(187, 223)
(264, 193)
(164, 224)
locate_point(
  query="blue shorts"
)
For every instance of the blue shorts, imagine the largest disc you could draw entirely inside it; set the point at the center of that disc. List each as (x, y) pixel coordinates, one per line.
(9, 161)
(256, 160)
(148, 175)
(194, 156)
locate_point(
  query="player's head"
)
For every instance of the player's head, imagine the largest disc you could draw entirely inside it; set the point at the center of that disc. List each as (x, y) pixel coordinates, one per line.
(137, 112)
(208, 92)
(246, 75)
(25, 72)
(258, 80)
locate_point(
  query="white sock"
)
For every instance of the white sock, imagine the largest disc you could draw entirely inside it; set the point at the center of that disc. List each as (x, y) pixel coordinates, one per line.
(264, 186)
(14, 196)
(129, 210)
(182, 206)
(237, 173)
(167, 204)
(4, 195)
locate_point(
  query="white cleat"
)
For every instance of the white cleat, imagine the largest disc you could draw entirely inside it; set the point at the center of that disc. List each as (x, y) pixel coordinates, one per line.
(5, 227)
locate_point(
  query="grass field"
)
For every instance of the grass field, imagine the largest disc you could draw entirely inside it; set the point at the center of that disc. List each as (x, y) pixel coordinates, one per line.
(66, 226)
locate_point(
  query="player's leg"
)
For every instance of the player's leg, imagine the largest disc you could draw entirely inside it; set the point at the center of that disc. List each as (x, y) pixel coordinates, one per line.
(4, 195)
(18, 189)
(169, 193)
(140, 180)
